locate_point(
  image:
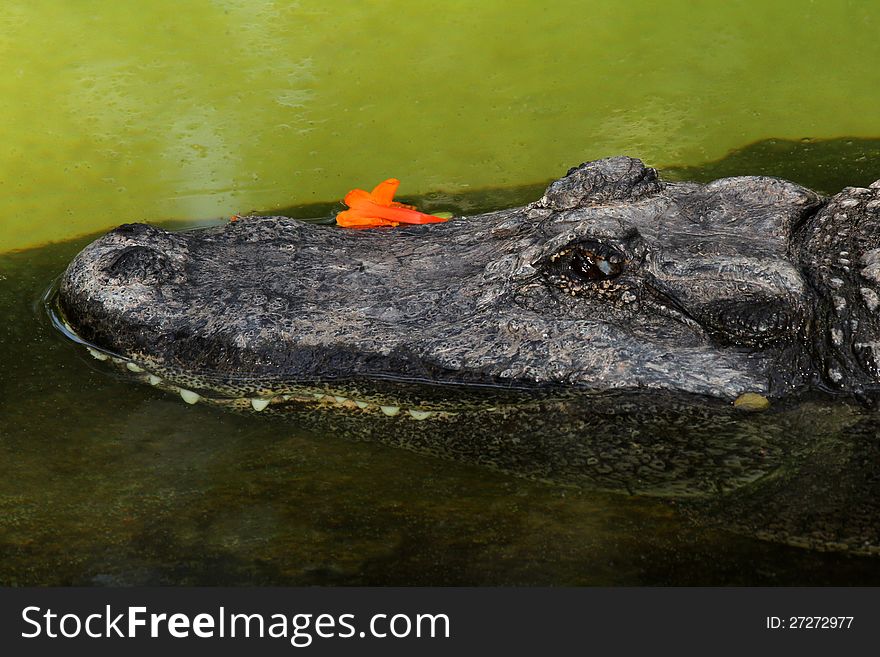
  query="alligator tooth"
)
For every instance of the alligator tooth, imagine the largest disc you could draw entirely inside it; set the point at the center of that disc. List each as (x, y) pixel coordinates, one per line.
(259, 404)
(189, 396)
(153, 379)
(361, 404)
(340, 400)
(134, 368)
(420, 415)
(97, 354)
(390, 411)
(751, 401)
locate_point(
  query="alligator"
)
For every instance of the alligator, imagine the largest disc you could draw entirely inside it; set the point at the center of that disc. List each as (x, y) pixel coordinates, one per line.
(613, 334)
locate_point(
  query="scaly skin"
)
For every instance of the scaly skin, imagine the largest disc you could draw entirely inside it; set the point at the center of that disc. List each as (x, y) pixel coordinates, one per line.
(596, 336)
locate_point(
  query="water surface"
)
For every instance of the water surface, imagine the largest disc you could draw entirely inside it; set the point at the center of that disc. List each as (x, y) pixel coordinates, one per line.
(104, 481)
(115, 112)
(160, 110)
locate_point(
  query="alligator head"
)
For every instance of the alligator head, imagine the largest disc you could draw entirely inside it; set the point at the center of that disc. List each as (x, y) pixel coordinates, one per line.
(612, 280)
(662, 301)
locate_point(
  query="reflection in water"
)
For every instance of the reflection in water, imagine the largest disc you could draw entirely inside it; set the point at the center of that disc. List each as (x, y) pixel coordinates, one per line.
(106, 482)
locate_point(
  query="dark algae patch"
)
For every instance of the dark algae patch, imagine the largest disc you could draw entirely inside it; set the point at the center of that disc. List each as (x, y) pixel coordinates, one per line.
(104, 482)
(826, 165)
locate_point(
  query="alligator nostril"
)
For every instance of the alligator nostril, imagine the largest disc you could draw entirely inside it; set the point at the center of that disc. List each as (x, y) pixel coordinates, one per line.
(141, 263)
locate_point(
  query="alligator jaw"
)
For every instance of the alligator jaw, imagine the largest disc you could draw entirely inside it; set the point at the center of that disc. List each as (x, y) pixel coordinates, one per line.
(286, 399)
(613, 280)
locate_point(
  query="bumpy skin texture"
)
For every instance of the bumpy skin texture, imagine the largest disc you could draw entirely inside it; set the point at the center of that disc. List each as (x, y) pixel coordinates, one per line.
(616, 318)
(725, 288)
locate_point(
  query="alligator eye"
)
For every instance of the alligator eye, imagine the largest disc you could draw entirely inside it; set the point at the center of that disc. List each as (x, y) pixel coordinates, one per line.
(588, 262)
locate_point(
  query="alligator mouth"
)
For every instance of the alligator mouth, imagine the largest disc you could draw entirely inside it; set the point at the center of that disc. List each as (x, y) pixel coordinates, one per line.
(283, 398)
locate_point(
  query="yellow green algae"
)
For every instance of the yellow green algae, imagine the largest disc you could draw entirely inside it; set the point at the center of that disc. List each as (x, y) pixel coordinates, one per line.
(113, 112)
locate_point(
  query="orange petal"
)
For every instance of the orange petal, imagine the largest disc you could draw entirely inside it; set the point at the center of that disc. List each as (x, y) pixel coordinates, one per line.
(384, 192)
(359, 219)
(357, 198)
(422, 218)
(403, 215)
(378, 208)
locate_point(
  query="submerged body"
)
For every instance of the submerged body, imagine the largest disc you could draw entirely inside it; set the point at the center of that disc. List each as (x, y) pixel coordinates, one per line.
(650, 299)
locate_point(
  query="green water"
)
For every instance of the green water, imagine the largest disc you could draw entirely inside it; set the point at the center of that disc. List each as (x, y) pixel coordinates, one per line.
(112, 112)
(131, 110)
(108, 482)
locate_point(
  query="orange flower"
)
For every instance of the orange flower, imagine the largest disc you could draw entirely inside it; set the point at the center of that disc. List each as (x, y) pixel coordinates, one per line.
(378, 208)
